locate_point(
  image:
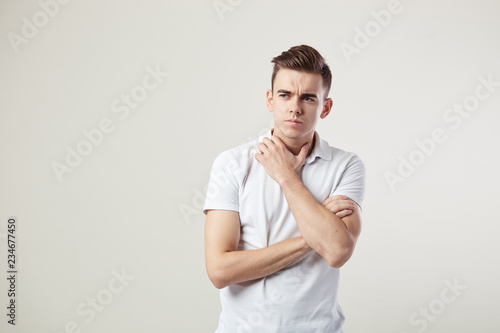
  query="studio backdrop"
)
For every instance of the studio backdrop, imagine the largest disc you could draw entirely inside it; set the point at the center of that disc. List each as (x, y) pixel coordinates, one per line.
(112, 113)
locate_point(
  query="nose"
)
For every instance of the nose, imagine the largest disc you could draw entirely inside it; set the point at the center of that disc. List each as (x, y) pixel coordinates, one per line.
(295, 107)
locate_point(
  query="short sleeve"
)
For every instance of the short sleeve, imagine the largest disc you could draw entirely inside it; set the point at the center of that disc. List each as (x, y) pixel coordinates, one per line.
(352, 182)
(223, 186)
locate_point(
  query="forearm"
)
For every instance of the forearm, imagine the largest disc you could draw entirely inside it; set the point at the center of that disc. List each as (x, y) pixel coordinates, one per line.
(239, 266)
(323, 231)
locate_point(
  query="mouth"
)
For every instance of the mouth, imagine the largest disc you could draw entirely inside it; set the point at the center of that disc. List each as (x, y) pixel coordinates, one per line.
(293, 122)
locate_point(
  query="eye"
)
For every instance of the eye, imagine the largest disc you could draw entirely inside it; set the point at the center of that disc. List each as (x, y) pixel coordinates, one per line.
(309, 99)
(283, 95)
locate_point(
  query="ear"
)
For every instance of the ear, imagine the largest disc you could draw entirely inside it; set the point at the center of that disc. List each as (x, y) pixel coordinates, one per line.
(327, 107)
(269, 100)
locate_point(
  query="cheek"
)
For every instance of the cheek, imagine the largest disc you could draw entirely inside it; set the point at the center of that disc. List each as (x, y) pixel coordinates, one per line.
(313, 119)
(279, 108)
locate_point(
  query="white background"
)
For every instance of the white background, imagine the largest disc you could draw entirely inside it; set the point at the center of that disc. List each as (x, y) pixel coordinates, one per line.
(133, 204)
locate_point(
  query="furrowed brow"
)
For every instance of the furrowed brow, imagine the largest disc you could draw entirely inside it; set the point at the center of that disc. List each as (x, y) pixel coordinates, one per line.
(309, 95)
(283, 91)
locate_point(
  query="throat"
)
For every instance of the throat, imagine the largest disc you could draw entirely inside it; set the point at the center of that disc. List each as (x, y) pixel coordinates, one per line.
(295, 145)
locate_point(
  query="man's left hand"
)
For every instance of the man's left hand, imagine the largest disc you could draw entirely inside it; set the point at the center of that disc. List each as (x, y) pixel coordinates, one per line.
(278, 161)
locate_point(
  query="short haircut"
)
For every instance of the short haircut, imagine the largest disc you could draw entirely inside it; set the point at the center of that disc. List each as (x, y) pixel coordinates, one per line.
(305, 59)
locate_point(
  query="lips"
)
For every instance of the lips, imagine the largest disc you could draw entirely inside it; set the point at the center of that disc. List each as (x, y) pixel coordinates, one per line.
(293, 121)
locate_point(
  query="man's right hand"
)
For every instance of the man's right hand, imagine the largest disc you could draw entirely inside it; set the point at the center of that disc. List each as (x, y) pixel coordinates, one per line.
(227, 265)
(340, 205)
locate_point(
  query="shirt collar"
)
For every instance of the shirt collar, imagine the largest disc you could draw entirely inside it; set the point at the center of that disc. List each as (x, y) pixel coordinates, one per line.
(321, 148)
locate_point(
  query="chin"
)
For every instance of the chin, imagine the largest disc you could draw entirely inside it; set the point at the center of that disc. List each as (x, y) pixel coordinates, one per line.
(293, 134)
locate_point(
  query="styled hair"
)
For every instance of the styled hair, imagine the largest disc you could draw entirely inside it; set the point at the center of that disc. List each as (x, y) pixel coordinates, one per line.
(305, 59)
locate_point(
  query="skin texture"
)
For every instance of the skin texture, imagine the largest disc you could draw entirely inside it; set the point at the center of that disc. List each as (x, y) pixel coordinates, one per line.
(331, 228)
(297, 96)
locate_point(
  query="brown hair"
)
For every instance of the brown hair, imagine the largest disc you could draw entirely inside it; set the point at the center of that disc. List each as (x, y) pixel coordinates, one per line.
(305, 59)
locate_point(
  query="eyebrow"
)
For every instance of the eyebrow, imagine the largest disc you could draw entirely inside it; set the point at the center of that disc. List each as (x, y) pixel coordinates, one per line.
(283, 91)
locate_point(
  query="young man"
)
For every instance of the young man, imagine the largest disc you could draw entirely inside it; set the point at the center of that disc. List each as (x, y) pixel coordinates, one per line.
(283, 212)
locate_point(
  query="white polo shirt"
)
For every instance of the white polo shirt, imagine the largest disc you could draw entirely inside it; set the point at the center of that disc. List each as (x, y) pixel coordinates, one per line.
(302, 297)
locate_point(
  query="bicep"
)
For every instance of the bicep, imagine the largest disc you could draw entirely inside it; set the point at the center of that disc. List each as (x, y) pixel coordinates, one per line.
(353, 222)
(347, 210)
(222, 232)
(353, 181)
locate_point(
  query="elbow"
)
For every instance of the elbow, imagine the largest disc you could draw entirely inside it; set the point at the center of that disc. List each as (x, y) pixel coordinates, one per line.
(218, 283)
(337, 253)
(217, 278)
(336, 262)
(338, 256)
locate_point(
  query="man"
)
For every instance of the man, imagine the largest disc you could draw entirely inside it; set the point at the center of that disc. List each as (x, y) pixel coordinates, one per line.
(283, 212)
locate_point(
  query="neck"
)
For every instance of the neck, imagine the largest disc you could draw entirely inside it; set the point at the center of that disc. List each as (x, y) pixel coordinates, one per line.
(294, 145)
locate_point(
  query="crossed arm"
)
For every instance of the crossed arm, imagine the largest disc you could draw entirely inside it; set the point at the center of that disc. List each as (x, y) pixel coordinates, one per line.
(332, 237)
(226, 265)
(330, 228)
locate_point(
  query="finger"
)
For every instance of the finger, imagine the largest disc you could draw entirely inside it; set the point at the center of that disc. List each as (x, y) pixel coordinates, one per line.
(277, 141)
(268, 142)
(262, 147)
(343, 213)
(333, 201)
(335, 198)
(338, 206)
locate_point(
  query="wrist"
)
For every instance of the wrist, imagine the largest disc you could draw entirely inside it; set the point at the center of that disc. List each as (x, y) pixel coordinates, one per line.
(289, 180)
(304, 244)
